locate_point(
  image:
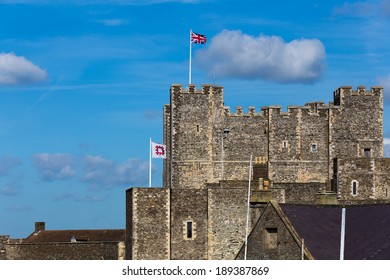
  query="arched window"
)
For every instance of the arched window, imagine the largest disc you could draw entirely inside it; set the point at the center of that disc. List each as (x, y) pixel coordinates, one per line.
(354, 187)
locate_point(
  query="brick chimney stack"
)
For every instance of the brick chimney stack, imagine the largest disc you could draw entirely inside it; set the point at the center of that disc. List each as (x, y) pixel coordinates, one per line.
(39, 226)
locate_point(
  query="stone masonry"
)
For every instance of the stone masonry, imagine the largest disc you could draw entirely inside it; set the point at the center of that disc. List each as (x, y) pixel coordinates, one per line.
(315, 153)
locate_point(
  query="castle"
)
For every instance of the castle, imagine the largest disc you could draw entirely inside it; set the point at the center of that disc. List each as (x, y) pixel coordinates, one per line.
(314, 154)
(280, 180)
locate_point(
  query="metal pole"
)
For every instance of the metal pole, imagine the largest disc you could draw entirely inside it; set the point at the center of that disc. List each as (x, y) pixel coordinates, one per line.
(247, 210)
(189, 74)
(342, 239)
(222, 156)
(150, 162)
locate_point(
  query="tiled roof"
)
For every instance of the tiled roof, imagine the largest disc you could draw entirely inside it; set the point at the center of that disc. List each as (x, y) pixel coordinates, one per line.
(104, 235)
(367, 233)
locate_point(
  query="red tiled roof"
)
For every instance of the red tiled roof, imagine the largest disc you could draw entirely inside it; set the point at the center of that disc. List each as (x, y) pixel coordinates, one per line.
(104, 235)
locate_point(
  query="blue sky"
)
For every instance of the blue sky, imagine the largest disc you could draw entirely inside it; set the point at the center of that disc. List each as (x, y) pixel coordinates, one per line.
(83, 84)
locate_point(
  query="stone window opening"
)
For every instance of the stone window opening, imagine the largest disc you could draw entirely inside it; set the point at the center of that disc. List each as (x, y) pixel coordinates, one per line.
(197, 128)
(354, 187)
(271, 238)
(189, 232)
(314, 148)
(367, 152)
(284, 144)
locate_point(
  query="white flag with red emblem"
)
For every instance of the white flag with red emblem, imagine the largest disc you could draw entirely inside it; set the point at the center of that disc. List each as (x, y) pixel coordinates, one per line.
(158, 150)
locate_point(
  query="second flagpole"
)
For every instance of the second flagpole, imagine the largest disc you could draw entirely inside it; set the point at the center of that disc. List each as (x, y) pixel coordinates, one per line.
(150, 162)
(189, 72)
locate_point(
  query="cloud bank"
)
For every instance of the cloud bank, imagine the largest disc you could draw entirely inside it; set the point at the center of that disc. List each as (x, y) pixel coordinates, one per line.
(234, 54)
(8, 163)
(97, 171)
(17, 70)
(54, 166)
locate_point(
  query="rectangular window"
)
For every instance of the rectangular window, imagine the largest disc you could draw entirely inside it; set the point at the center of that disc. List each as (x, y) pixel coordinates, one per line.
(284, 144)
(367, 152)
(313, 148)
(189, 230)
(271, 238)
(197, 128)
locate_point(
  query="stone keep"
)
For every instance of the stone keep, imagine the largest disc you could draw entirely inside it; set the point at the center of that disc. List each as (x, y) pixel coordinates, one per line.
(310, 150)
(208, 143)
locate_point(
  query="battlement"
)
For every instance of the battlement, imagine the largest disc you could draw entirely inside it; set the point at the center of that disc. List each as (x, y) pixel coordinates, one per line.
(347, 91)
(239, 111)
(206, 89)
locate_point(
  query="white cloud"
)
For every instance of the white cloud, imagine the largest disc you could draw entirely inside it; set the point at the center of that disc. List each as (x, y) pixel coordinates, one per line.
(234, 54)
(363, 9)
(7, 164)
(78, 198)
(20, 208)
(357, 9)
(101, 172)
(9, 191)
(386, 146)
(97, 171)
(97, 2)
(54, 166)
(113, 22)
(385, 83)
(15, 70)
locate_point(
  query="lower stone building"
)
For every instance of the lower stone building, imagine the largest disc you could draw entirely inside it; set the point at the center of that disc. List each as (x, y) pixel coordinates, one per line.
(45, 244)
(297, 231)
(210, 222)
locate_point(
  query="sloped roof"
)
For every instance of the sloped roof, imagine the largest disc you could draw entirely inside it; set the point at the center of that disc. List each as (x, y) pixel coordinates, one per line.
(367, 232)
(104, 235)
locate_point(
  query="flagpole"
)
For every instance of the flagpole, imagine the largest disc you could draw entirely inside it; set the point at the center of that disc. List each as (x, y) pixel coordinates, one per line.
(247, 210)
(150, 162)
(189, 73)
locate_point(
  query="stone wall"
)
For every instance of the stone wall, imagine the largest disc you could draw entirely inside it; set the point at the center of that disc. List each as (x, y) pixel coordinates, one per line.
(271, 239)
(3, 241)
(65, 251)
(227, 208)
(370, 176)
(210, 143)
(356, 123)
(299, 192)
(298, 150)
(189, 205)
(147, 223)
(193, 113)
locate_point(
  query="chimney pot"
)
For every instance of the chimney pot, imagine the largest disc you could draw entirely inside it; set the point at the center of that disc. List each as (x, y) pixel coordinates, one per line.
(39, 226)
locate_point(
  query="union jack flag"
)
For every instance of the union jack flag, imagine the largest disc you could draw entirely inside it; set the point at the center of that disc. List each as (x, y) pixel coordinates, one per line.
(197, 38)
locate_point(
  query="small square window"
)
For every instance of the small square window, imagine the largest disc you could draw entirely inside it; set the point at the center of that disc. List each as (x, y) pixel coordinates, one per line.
(284, 144)
(314, 148)
(367, 152)
(271, 238)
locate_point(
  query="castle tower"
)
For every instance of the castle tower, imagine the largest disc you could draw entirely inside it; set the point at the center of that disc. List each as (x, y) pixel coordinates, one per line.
(355, 126)
(189, 123)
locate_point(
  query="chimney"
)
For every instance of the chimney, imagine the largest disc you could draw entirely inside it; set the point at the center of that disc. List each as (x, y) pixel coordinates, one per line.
(39, 226)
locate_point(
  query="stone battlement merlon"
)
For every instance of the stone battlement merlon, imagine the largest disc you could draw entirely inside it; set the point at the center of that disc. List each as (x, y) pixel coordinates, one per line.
(206, 89)
(240, 113)
(345, 91)
(312, 108)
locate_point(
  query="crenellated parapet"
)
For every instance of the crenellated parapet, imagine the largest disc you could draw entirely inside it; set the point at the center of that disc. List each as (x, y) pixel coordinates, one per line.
(239, 112)
(206, 89)
(346, 91)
